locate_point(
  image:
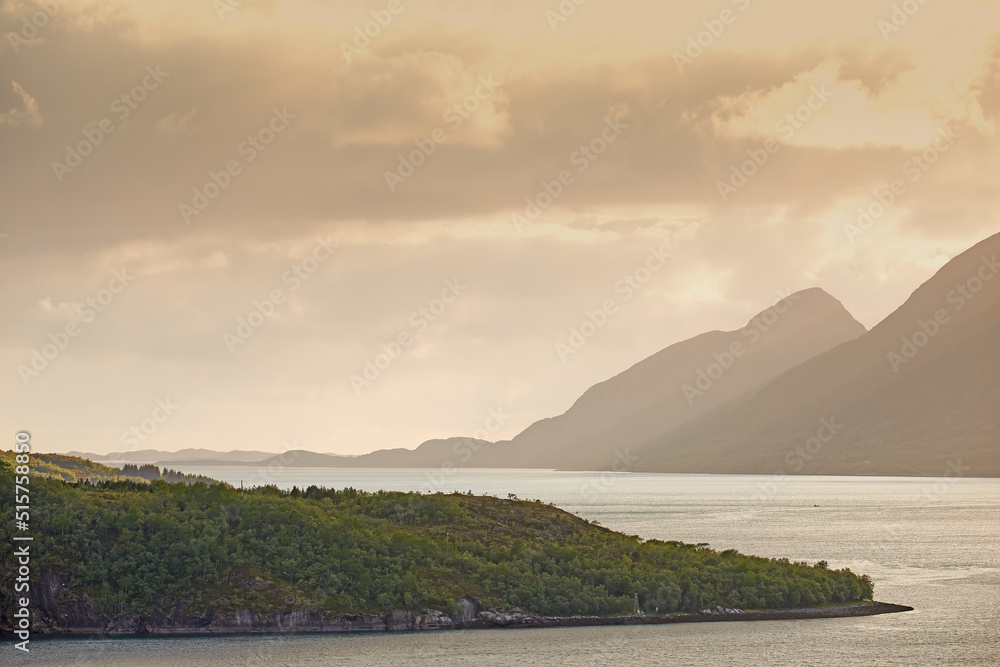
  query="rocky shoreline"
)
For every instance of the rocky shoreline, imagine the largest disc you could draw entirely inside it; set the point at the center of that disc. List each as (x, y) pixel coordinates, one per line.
(468, 614)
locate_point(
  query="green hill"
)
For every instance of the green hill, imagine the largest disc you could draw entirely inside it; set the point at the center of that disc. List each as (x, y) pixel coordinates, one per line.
(74, 469)
(175, 552)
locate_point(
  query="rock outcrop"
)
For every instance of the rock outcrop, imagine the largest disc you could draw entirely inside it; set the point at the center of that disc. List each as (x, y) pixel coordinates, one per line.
(78, 617)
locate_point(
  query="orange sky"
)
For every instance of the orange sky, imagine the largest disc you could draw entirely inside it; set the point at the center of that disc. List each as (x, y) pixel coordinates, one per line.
(474, 178)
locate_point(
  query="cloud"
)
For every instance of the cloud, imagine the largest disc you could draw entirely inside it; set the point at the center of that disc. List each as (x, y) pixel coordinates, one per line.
(823, 109)
(400, 98)
(29, 116)
(324, 175)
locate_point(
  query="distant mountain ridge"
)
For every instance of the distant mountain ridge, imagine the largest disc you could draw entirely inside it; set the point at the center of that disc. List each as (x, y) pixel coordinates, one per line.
(644, 401)
(917, 395)
(183, 455)
(431, 454)
(686, 380)
(677, 384)
(802, 388)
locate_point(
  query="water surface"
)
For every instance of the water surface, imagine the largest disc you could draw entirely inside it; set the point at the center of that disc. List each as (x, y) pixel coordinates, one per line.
(933, 544)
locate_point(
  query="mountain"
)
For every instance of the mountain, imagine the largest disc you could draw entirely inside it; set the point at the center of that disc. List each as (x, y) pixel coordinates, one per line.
(184, 455)
(803, 388)
(675, 385)
(649, 399)
(919, 394)
(684, 381)
(431, 454)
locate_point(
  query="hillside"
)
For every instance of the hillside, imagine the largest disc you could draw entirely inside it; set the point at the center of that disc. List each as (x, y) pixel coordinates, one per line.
(170, 556)
(917, 395)
(649, 399)
(75, 469)
(803, 388)
(684, 381)
(430, 454)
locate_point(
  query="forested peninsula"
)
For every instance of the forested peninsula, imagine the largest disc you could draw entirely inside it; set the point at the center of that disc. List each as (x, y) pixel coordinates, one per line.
(138, 557)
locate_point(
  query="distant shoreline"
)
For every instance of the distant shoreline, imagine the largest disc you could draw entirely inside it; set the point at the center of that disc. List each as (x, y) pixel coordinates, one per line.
(247, 622)
(214, 463)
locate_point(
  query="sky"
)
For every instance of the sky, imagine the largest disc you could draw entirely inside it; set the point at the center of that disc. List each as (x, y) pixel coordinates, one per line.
(346, 226)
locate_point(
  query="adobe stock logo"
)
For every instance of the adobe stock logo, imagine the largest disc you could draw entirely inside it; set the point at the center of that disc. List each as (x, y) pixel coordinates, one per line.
(363, 35)
(958, 298)
(900, 16)
(465, 448)
(142, 431)
(914, 167)
(249, 150)
(95, 133)
(455, 116)
(419, 320)
(582, 158)
(266, 309)
(707, 376)
(630, 285)
(30, 28)
(786, 126)
(563, 11)
(60, 340)
(623, 462)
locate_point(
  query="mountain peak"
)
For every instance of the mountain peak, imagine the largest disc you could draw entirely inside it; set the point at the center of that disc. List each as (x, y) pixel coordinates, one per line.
(687, 379)
(916, 392)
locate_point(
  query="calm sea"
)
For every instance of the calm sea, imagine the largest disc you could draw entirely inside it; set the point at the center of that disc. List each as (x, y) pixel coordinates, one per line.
(933, 544)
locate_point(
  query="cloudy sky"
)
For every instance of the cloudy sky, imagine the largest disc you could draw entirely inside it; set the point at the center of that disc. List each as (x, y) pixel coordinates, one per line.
(469, 180)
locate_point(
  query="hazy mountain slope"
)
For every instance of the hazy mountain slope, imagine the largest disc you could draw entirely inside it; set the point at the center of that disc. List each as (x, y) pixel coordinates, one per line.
(892, 414)
(431, 454)
(684, 381)
(185, 455)
(647, 400)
